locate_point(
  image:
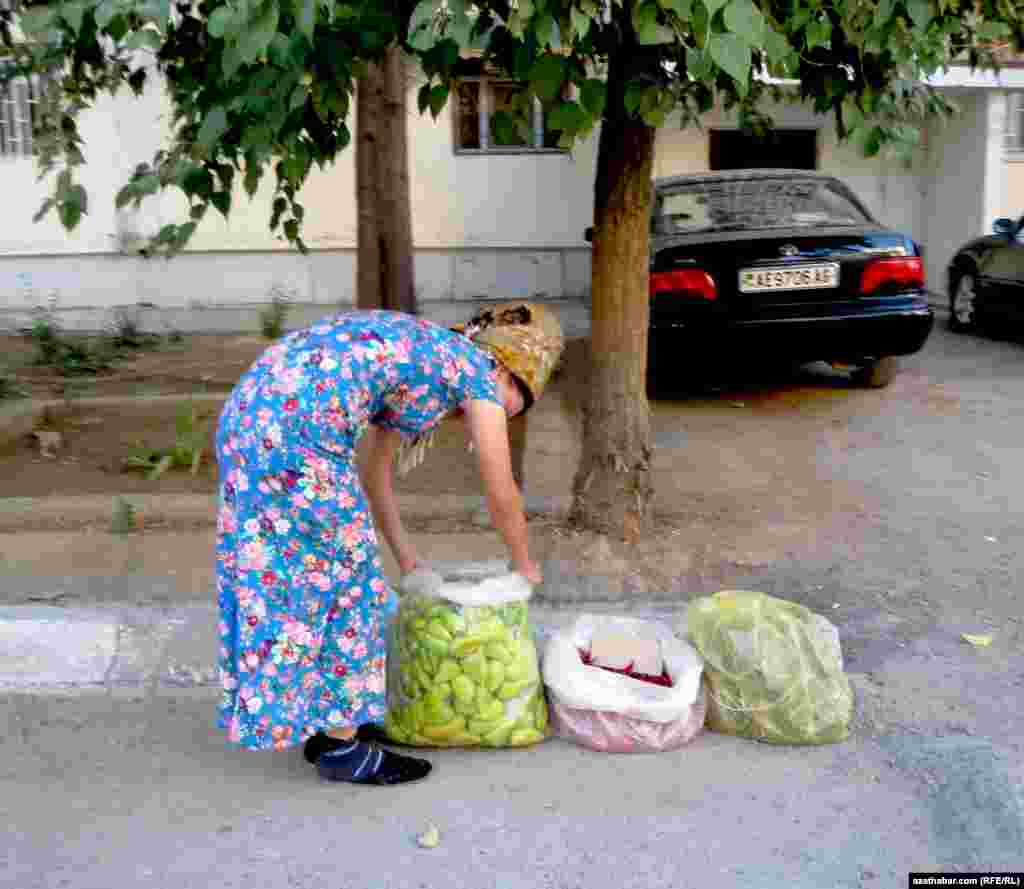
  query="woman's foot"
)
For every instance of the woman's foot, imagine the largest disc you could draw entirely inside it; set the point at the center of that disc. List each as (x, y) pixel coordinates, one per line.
(361, 763)
(322, 743)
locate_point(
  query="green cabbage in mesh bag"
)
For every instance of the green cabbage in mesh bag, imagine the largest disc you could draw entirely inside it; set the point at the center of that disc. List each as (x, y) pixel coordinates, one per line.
(463, 676)
(774, 669)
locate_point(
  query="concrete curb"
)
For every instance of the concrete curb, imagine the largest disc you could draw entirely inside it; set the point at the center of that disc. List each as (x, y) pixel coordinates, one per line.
(52, 648)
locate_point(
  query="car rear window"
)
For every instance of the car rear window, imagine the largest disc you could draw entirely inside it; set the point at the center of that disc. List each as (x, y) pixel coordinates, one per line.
(752, 204)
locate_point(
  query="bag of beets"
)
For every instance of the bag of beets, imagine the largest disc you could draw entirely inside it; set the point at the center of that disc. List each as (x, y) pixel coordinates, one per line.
(623, 685)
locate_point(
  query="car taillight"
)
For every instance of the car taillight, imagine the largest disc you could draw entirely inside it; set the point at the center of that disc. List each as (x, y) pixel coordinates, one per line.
(905, 273)
(686, 282)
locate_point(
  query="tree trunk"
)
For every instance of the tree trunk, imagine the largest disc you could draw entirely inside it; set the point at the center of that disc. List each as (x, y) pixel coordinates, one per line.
(612, 489)
(384, 274)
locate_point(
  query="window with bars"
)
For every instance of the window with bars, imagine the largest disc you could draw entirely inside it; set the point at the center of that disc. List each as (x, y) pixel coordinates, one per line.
(478, 99)
(18, 100)
(1013, 136)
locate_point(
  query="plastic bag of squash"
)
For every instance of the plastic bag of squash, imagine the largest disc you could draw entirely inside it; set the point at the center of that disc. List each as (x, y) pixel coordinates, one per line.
(462, 663)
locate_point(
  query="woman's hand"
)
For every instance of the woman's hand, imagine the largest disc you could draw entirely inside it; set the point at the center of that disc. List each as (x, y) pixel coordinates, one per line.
(408, 563)
(531, 571)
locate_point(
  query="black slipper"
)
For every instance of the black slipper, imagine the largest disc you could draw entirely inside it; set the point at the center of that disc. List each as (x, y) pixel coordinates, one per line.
(369, 764)
(322, 743)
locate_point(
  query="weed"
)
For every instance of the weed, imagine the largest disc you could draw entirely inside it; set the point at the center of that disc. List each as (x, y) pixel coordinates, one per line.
(69, 357)
(272, 318)
(46, 336)
(127, 334)
(123, 520)
(189, 447)
(9, 389)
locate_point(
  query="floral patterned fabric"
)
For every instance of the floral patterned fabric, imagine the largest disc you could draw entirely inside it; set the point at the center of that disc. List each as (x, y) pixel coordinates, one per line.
(303, 601)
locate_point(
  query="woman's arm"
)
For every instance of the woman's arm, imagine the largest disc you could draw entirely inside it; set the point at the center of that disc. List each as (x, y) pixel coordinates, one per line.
(375, 470)
(488, 427)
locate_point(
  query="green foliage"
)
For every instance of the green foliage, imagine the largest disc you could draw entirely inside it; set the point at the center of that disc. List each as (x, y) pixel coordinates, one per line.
(127, 335)
(9, 388)
(69, 356)
(123, 519)
(272, 318)
(190, 442)
(264, 87)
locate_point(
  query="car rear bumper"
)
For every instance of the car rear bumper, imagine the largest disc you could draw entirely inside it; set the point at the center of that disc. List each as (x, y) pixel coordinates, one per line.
(826, 337)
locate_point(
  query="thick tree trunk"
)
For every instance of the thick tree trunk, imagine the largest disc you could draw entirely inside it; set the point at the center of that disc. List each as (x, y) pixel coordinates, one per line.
(384, 276)
(612, 489)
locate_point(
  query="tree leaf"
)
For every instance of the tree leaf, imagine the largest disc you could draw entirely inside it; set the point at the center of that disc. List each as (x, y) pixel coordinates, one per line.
(222, 201)
(106, 12)
(546, 30)
(256, 38)
(994, 31)
(853, 117)
(72, 14)
(594, 96)
(886, 8)
(744, 20)
(648, 31)
(221, 19)
(214, 126)
(306, 15)
(776, 46)
(438, 98)
(231, 61)
(73, 207)
(682, 8)
(712, 6)
(698, 63)
(503, 128)
(920, 12)
(35, 20)
(546, 76)
(872, 142)
(732, 55)
(819, 32)
(581, 23)
(145, 39)
(633, 96)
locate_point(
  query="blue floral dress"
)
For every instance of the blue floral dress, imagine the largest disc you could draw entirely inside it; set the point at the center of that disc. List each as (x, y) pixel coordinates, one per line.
(304, 605)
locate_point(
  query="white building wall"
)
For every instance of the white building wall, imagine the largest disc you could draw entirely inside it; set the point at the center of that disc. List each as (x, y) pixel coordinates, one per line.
(964, 167)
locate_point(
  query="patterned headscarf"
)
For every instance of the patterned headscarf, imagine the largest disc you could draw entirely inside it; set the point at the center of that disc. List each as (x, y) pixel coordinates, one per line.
(525, 337)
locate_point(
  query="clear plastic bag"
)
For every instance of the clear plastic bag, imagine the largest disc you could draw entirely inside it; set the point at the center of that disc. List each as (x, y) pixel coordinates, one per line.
(462, 664)
(774, 669)
(615, 713)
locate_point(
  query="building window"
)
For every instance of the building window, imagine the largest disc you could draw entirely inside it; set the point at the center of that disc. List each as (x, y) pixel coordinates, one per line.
(1013, 137)
(478, 99)
(18, 101)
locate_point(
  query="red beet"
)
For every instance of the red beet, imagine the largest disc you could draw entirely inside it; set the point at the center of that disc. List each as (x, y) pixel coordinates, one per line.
(664, 680)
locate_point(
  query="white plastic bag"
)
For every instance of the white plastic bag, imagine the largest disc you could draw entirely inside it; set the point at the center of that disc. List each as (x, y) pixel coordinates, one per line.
(616, 713)
(462, 664)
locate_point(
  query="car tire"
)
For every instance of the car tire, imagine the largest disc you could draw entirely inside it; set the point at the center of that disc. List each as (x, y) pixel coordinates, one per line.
(878, 373)
(963, 305)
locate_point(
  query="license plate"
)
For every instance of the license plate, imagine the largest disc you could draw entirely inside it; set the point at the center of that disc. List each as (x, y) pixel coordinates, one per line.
(803, 277)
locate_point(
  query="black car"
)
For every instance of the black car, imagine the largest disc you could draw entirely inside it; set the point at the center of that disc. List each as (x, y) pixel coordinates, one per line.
(782, 265)
(986, 278)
